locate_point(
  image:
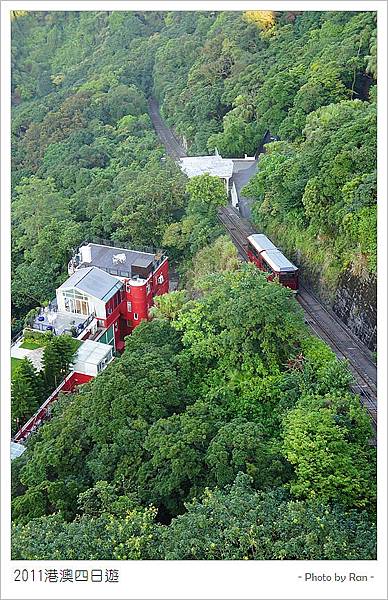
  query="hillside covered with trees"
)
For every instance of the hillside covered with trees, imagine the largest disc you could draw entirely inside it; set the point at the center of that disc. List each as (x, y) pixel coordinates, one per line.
(216, 407)
(225, 430)
(85, 156)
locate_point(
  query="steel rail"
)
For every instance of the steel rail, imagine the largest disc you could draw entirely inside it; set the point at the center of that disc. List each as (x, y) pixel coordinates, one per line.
(331, 314)
(362, 386)
(166, 136)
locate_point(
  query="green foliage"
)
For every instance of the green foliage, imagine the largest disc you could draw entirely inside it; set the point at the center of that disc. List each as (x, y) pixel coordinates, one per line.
(199, 226)
(37, 336)
(14, 364)
(257, 71)
(39, 268)
(82, 138)
(242, 320)
(239, 136)
(30, 345)
(264, 19)
(103, 498)
(169, 305)
(98, 434)
(36, 202)
(322, 203)
(309, 79)
(58, 356)
(237, 523)
(177, 445)
(30, 316)
(205, 390)
(83, 145)
(131, 537)
(326, 438)
(240, 524)
(27, 393)
(219, 256)
(239, 446)
(206, 193)
(152, 199)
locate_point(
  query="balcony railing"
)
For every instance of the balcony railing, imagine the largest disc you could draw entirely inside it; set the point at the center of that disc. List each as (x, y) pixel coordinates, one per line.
(16, 338)
(123, 245)
(63, 323)
(88, 320)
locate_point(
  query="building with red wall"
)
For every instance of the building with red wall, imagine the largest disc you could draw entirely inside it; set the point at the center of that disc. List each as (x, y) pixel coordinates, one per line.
(109, 292)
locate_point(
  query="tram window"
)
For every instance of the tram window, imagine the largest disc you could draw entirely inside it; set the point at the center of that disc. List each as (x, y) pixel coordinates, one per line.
(288, 276)
(253, 250)
(266, 267)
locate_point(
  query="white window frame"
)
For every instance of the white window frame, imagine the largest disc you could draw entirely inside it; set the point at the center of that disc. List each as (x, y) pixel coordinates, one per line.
(129, 306)
(75, 302)
(161, 278)
(135, 316)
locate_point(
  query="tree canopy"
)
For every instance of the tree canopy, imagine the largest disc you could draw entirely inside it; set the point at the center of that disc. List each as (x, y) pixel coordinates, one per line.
(229, 384)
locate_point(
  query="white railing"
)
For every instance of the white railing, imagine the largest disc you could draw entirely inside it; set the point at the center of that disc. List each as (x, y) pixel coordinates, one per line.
(16, 339)
(42, 412)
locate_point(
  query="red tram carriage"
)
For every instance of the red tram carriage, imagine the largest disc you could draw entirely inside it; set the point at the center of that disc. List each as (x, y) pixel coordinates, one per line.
(264, 254)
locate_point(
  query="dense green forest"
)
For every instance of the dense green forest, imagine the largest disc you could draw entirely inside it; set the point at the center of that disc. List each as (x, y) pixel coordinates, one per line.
(216, 407)
(86, 162)
(225, 430)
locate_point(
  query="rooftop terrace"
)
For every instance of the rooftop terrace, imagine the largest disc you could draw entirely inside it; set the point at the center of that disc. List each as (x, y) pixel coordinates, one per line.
(49, 319)
(115, 260)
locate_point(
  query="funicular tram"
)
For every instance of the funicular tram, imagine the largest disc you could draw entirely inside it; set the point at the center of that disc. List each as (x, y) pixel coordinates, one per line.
(264, 254)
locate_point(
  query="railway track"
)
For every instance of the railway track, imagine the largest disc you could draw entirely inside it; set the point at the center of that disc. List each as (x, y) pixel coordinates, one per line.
(165, 135)
(238, 228)
(321, 321)
(362, 367)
